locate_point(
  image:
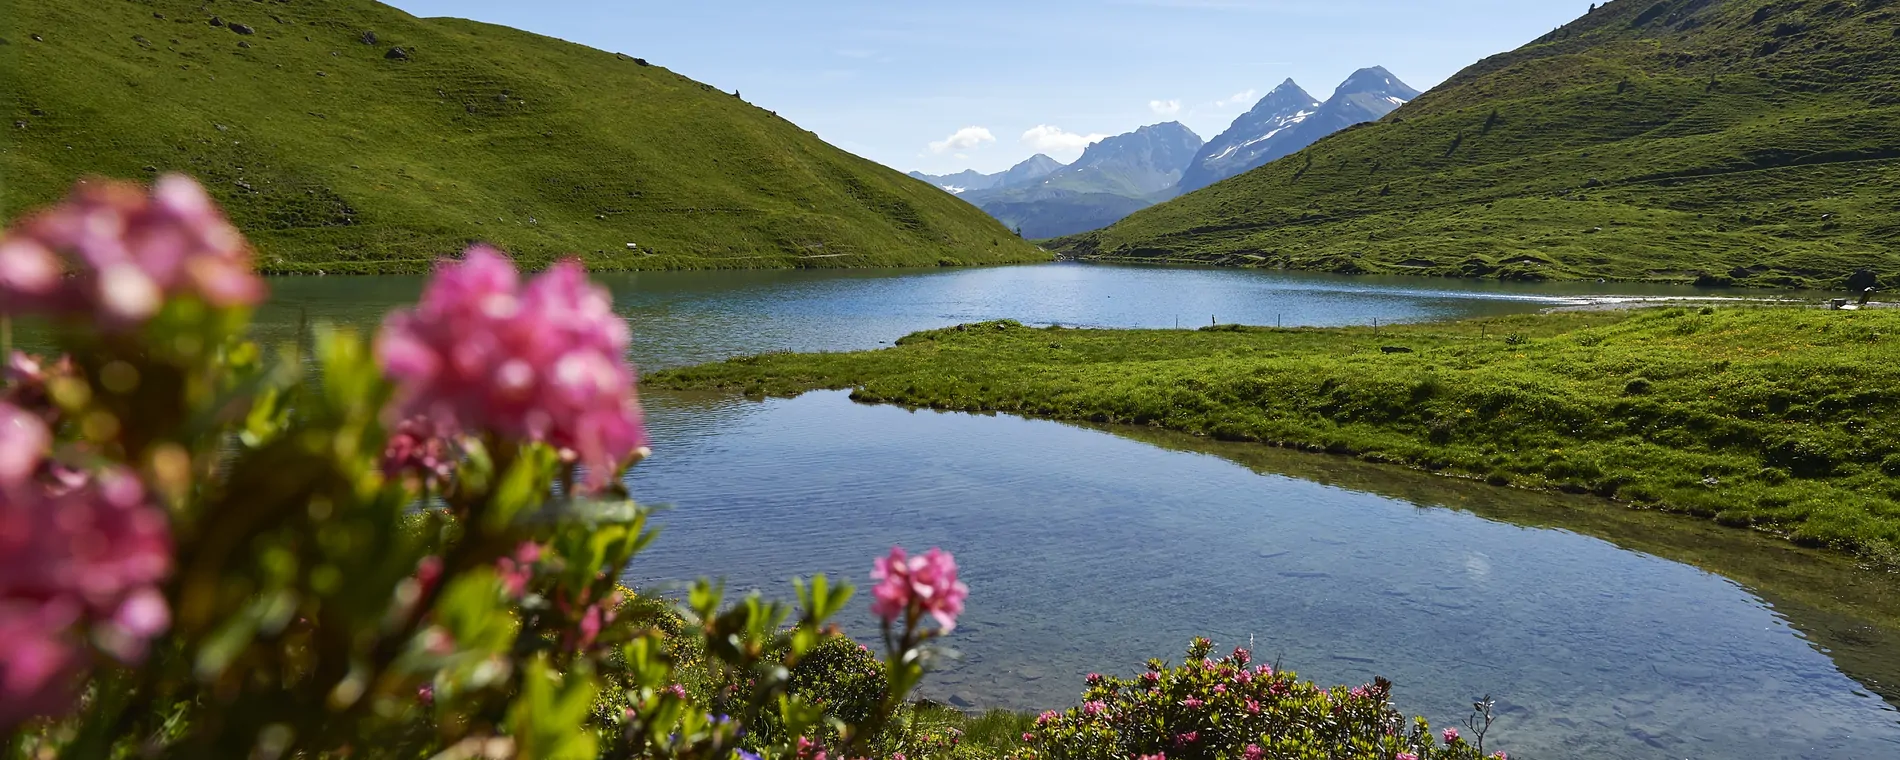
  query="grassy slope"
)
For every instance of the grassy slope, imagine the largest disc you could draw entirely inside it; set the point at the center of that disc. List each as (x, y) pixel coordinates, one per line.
(331, 156)
(1674, 140)
(1781, 419)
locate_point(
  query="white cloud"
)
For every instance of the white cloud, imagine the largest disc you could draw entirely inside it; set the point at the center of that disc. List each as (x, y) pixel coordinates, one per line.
(966, 138)
(1055, 141)
(1239, 99)
(1164, 107)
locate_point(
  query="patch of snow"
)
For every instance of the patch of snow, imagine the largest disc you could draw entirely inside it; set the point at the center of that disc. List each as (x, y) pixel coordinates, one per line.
(954, 190)
(1395, 101)
(1225, 153)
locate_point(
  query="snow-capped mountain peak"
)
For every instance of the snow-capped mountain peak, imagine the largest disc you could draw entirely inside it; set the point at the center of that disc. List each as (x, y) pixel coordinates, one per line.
(1289, 119)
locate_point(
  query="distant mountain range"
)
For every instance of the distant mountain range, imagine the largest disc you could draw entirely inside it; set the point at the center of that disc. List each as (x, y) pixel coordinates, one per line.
(1123, 174)
(1114, 178)
(1255, 138)
(1288, 119)
(1035, 168)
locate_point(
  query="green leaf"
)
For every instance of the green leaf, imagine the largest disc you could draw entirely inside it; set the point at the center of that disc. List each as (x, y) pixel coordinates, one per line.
(549, 718)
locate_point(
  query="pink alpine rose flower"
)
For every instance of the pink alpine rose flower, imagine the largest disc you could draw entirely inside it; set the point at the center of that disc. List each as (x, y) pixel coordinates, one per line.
(420, 448)
(918, 585)
(1451, 736)
(80, 559)
(117, 253)
(545, 362)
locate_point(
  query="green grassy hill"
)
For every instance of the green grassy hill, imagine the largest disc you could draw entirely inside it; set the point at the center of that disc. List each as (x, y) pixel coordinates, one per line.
(332, 152)
(1719, 141)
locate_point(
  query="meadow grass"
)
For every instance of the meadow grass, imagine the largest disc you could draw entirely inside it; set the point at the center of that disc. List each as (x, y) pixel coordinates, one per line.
(1785, 420)
(1708, 141)
(333, 156)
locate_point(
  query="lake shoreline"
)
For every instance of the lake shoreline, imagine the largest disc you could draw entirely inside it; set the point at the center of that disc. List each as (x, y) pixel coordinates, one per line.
(1383, 396)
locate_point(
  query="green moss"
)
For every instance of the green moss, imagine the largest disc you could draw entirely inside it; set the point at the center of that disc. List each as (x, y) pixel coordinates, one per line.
(332, 156)
(1779, 419)
(1714, 142)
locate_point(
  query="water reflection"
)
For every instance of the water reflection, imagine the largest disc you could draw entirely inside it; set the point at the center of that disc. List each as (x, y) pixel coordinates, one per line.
(1603, 631)
(690, 317)
(1094, 552)
(1843, 610)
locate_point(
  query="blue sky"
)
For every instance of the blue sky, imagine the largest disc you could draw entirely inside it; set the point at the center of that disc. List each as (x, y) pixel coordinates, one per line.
(955, 84)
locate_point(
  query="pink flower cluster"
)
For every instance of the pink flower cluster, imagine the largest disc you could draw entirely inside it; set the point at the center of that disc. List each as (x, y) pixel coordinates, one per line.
(78, 555)
(116, 253)
(420, 447)
(545, 362)
(918, 585)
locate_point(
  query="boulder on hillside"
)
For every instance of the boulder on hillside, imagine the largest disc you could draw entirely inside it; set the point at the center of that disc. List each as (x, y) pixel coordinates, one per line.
(1862, 280)
(397, 54)
(242, 29)
(216, 21)
(368, 38)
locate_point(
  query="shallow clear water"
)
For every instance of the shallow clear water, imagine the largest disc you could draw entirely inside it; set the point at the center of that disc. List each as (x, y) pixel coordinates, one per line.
(1087, 551)
(1603, 632)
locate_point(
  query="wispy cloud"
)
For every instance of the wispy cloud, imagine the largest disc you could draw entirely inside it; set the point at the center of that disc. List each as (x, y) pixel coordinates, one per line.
(1164, 107)
(1060, 143)
(1238, 99)
(967, 138)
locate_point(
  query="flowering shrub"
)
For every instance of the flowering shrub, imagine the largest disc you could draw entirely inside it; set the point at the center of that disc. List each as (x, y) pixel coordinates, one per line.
(1235, 708)
(409, 547)
(405, 547)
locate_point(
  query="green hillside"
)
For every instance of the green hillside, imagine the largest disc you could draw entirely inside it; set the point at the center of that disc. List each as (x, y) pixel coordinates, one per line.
(335, 153)
(1719, 141)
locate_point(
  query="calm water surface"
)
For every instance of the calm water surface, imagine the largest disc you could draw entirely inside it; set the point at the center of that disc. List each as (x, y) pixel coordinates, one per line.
(1087, 551)
(1603, 632)
(691, 317)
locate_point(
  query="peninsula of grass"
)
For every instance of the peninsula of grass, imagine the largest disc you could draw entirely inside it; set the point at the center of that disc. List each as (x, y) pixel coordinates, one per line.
(1780, 419)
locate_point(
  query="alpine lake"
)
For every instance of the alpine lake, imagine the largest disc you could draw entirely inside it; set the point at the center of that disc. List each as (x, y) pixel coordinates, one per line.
(1601, 631)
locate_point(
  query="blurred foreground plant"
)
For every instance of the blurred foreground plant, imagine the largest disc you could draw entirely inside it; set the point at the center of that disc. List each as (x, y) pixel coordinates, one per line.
(401, 548)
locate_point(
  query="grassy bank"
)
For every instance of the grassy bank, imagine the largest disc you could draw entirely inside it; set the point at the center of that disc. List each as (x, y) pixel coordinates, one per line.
(350, 137)
(1781, 419)
(1714, 141)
